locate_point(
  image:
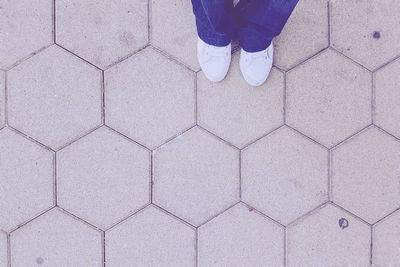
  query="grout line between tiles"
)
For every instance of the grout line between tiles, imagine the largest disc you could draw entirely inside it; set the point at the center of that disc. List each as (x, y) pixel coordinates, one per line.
(54, 14)
(6, 99)
(151, 176)
(373, 99)
(8, 249)
(103, 98)
(371, 248)
(240, 175)
(330, 191)
(55, 189)
(285, 246)
(103, 248)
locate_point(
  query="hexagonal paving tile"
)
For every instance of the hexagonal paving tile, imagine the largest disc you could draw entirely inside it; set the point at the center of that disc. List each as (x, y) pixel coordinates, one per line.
(196, 176)
(291, 46)
(328, 237)
(367, 31)
(170, 16)
(387, 98)
(237, 112)
(2, 99)
(284, 164)
(26, 26)
(156, 92)
(54, 97)
(102, 32)
(3, 249)
(151, 238)
(103, 177)
(26, 184)
(56, 239)
(240, 237)
(328, 98)
(386, 242)
(365, 174)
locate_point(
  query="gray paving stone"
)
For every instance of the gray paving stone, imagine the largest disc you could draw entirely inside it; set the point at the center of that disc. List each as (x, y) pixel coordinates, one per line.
(328, 237)
(196, 176)
(284, 175)
(367, 31)
(296, 43)
(386, 244)
(149, 98)
(56, 239)
(2, 99)
(365, 174)
(151, 238)
(54, 97)
(237, 112)
(173, 29)
(26, 26)
(3, 249)
(100, 172)
(328, 98)
(241, 237)
(387, 98)
(102, 32)
(26, 179)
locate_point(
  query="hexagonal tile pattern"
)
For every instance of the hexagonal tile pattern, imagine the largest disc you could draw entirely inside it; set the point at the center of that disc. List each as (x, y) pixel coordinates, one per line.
(237, 112)
(328, 98)
(291, 47)
(151, 238)
(367, 31)
(284, 164)
(54, 97)
(56, 239)
(2, 99)
(102, 32)
(156, 92)
(26, 184)
(328, 237)
(26, 26)
(385, 249)
(365, 174)
(92, 171)
(240, 237)
(3, 249)
(167, 17)
(196, 176)
(387, 98)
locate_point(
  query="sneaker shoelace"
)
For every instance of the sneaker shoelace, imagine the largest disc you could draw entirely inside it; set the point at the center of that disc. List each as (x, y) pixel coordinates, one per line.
(214, 51)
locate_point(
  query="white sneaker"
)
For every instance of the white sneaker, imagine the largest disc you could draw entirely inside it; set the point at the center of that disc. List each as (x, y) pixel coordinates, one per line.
(255, 67)
(214, 61)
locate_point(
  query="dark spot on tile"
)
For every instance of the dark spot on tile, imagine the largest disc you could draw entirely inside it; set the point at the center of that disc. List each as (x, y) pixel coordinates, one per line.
(98, 20)
(127, 38)
(39, 260)
(250, 208)
(376, 35)
(343, 223)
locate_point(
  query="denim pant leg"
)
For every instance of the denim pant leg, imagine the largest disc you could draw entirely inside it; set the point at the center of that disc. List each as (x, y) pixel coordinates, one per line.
(261, 20)
(214, 21)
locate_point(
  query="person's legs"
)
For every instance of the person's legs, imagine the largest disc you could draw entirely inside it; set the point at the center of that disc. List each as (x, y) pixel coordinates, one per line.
(215, 28)
(261, 20)
(214, 21)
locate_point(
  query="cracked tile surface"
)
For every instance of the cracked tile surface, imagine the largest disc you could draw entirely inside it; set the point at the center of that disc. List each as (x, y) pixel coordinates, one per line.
(148, 233)
(240, 237)
(56, 239)
(102, 31)
(116, 151)
(26, 184)
(284, 164)
(98, 165)
(365, 174)
(26, 26)
(54, 97)
(329, 236)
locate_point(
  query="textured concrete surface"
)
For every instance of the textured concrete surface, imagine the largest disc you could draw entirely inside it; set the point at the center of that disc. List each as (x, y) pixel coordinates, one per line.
(116, 151)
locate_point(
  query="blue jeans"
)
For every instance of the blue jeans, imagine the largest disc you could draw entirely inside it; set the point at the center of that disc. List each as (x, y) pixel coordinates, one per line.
(254, 22)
